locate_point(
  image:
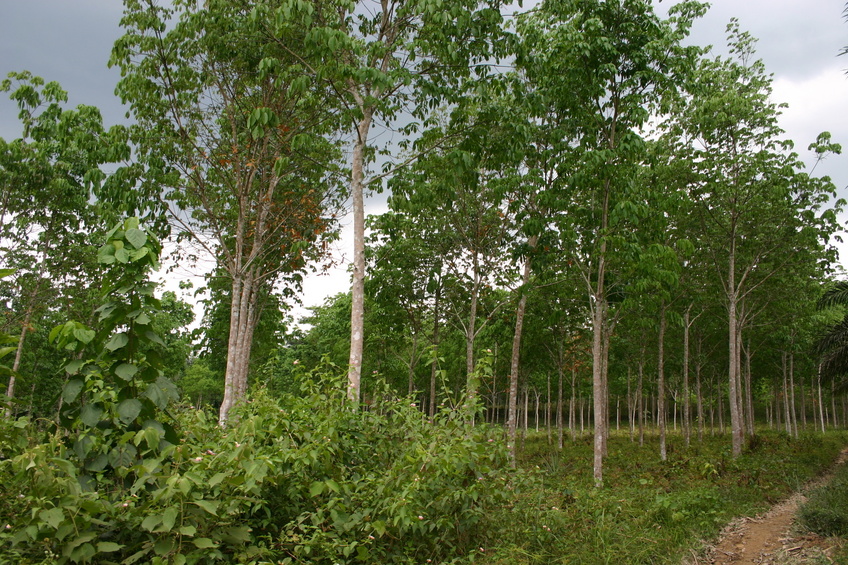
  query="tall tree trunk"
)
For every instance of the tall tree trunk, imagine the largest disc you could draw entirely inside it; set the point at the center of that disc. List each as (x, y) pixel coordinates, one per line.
(357, 309)
(686, 413)
(16, 364)
(434, 364)
(243, 319)
(640, 400)
(661, 382)
(736, 427)
(548, 409)
(516, 351)
(572, 413)
(787, 417)
(792, 394)
(749, 396)
(471, 330)
(559, 399)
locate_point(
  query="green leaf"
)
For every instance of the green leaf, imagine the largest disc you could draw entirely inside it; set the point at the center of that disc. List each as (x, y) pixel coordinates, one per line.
(316, 488)
(164, 546)
(236, 534)
(204, 543)
(136, 237)
(108, 546)
(97, 464)
(151, 522)
(126, 371)
(209, 505)
(71, 390)
(52, 517)
(106, 254)
(123, 456)
(187, 530)
(122, 255)
(128, 410)
(74, 366)
(118, 341)
(91, 414)
(168, 519)
(217, 478)
(84, 335)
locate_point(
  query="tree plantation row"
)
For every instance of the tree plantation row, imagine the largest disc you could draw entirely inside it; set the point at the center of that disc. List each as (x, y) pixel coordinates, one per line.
(591, 223)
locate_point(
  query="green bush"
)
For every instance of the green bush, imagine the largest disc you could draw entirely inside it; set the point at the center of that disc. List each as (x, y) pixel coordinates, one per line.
(296, 480)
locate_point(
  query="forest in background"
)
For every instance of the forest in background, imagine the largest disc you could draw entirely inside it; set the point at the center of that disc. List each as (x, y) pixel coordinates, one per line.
(592, 225)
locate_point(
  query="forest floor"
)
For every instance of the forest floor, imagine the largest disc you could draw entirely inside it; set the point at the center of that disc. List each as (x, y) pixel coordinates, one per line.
(773, 538)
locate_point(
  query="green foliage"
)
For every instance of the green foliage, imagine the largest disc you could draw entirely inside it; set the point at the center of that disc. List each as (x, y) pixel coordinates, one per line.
(298, 480)
(114, 401)
(650, 511)
(826, 510)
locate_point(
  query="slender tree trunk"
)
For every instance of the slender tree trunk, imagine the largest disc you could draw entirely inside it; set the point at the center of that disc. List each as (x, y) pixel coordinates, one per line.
(413, 357)
(572, 414)
(548, 409)
(630, 404)
(16, 364)
(357, 310)
(736, 428)
(661, 383)
(803, 403)
(686, 413)
(787, 417)
(471, 330)
(792, 394)
(640, 400)
(516, 350)
(559, 400)
(434, 364)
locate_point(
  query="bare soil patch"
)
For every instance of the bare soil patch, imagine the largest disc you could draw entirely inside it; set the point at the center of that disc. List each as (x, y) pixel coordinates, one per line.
(772, 538)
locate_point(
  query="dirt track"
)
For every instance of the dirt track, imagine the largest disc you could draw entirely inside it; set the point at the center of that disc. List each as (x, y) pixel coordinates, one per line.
(770, 538)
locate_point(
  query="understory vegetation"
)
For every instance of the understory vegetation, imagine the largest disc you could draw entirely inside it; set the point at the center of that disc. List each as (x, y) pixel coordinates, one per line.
(302, 480)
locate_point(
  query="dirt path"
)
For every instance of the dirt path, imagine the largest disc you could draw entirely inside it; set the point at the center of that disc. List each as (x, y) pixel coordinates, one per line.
(769, 539)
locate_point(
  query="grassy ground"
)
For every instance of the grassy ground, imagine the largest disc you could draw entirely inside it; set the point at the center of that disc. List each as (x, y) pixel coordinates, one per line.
(649, 511)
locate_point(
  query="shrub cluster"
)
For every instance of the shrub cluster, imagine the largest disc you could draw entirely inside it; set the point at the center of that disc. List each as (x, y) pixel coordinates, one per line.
(292, 480)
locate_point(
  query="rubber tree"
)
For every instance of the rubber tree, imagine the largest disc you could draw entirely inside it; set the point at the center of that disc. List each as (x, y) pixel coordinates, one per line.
(234, 142)
(754, 204)
(605, 67)
(52, 185)
(380, 61)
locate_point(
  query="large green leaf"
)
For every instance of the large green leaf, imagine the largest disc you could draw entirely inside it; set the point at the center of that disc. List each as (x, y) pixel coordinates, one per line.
(118, 341)
(91, 414)
(72, 390)
(129, 409)
(126, 371)
(136, 237)
(122, 456)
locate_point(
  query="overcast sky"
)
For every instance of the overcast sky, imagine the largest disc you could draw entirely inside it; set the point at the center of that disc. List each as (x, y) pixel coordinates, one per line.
(69, 41)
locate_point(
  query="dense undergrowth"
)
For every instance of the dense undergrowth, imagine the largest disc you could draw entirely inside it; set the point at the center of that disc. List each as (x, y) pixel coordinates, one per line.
(305, 480)
(302, 480)
(649, 511)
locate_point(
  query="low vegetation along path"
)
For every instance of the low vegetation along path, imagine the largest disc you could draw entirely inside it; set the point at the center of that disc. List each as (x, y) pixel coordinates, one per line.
(769, 538)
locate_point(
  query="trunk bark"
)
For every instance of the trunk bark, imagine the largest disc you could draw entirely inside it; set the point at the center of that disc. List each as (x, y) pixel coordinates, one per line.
(516, 350)
(434, 364)
(243, 319)
(661, 383)
(357, 309)
(16, 364)
(687, 431)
